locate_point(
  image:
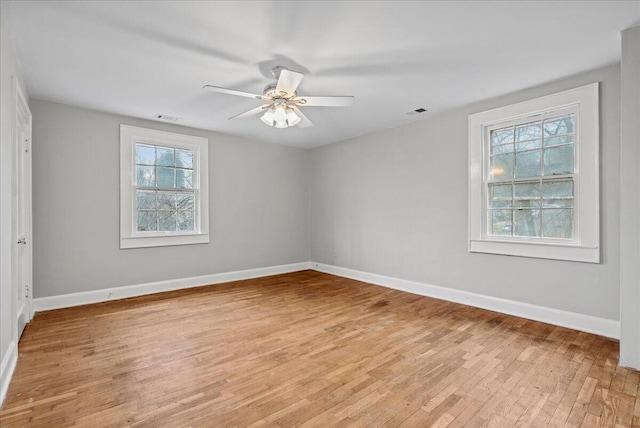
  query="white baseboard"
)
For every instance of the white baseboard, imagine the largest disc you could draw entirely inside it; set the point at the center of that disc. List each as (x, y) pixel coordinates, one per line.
(590, 324)
(8, 365)
(106, 294)
(587, 323)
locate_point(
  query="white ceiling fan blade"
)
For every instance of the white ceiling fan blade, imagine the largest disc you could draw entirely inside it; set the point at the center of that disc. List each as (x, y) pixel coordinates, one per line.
(251, 112)
(324, 101)
(232, 92)
(288, 82)
(304, 120)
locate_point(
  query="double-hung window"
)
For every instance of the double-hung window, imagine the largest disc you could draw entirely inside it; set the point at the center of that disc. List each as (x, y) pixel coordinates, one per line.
(163, 188)
(533, 178)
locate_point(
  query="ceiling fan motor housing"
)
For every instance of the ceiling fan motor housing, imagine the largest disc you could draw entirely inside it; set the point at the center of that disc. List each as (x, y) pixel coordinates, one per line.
(277, 69)
(270, 92)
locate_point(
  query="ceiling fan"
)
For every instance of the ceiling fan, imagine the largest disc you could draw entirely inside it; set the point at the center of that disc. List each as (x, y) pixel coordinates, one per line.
(282, 102)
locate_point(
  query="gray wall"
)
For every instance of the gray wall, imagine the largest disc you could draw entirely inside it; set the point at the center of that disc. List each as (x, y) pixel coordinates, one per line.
(392, 203)
(395, 203)
(259, 208)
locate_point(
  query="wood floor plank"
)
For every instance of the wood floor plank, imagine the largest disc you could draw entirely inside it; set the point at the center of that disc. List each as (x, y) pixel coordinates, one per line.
(313, 350)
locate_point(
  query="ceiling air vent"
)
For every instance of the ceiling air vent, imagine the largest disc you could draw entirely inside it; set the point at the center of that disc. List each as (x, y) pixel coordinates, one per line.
(416, 111)
(166, 117)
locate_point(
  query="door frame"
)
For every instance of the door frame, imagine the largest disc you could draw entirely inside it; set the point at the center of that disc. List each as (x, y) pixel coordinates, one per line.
(21, 174)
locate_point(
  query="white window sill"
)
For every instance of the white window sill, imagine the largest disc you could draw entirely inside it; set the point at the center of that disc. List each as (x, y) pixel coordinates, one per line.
(163, 240)
(540, 250)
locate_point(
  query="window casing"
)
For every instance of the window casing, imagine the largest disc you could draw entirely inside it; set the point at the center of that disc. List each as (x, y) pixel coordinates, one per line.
(533, 178)
(163, 188)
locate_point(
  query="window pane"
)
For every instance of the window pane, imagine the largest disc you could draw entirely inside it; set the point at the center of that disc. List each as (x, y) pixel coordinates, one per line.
(145, 155)
(185, 220)
(147, 221)
(500, 204)
(527, 222)
(527, 190)
(558, 160)
(532, 131)
(557, 223)
(500, 190)
(184, 179)
(554, 141)
(528, 164)
(166, 177)
(527, 203)
(502, 136)
(145, 199)
(167, 221)
(505, 148)
(557, 203)
(166, 201)
(185, 201)
(501, 222)
(528, 145)
(165, 156)
(502, 166)
(559, 126)
(184, 158)
(145, 176)
(557, 189)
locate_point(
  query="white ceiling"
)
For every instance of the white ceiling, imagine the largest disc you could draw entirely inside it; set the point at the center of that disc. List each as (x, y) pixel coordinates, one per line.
(140, 58)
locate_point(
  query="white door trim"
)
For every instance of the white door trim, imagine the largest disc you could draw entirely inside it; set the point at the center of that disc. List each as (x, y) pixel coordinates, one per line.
(22, 211)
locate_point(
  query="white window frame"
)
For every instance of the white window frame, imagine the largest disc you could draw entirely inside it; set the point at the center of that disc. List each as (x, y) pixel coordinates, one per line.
(585, 245)
(129, 236)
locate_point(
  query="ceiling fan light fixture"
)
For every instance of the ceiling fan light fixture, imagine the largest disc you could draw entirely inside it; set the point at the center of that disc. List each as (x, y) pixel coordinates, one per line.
(281, 124)
(280, 113)
(268, 118)
(280, 116)
(292, 118)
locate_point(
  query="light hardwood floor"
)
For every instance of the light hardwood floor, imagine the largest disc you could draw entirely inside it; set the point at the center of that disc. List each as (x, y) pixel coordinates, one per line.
(310, 349)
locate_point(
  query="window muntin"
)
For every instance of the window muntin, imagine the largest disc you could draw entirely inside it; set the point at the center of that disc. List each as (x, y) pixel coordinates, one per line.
(530, 183)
